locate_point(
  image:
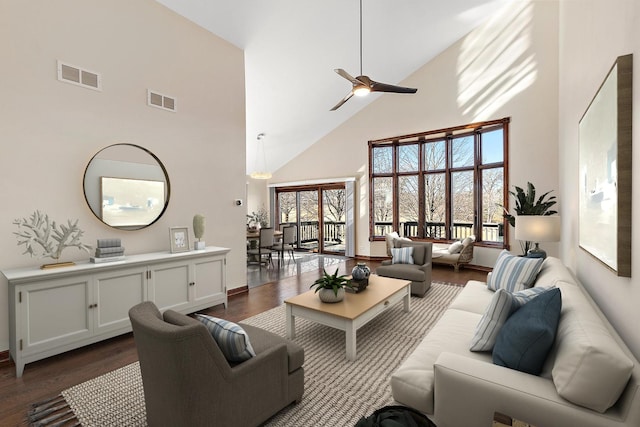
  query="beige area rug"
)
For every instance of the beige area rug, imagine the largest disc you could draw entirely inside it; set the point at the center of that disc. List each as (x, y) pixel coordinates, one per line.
(357, 388)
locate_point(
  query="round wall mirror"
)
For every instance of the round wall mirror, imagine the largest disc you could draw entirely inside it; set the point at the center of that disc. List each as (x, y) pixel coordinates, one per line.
(126, 186)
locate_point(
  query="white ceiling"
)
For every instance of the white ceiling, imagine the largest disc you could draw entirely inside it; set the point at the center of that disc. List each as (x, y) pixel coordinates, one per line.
(292, 47)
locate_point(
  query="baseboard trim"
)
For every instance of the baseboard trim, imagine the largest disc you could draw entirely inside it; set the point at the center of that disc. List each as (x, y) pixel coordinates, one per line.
(477, 267)
(236, 291)
(371, 258)
(5, 359)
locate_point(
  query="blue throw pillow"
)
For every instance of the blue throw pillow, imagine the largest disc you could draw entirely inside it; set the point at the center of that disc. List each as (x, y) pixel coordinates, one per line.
(514, 273)
(230, 337)
(402, 255)
(527, 336)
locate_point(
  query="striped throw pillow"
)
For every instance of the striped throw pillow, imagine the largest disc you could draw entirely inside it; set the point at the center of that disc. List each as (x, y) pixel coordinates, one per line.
(402, 255)
(231, 338)
(520, 298)
(514, 273)
(492, 320)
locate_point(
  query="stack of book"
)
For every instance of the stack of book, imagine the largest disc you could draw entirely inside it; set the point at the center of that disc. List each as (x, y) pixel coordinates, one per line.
(108, 250)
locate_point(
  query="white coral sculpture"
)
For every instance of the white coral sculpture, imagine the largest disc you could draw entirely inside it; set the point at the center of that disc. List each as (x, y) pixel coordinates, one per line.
(39, 231)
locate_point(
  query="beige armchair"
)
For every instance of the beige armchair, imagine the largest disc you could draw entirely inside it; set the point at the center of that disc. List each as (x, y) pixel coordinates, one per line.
(188, 382)
(419, 272)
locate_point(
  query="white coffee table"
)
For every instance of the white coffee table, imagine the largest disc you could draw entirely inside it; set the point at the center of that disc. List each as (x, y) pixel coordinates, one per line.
(353, 312)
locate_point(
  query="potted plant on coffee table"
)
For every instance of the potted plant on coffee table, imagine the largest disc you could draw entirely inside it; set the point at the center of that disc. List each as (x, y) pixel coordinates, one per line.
(330, 287)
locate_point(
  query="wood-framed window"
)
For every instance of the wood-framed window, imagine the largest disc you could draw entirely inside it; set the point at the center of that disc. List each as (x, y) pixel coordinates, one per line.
(445, 184)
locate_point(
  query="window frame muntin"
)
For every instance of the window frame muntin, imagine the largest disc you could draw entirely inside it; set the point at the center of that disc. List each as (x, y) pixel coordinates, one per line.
(447, 134)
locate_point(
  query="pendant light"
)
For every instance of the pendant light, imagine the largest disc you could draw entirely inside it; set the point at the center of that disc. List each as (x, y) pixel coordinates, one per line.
(260, 171)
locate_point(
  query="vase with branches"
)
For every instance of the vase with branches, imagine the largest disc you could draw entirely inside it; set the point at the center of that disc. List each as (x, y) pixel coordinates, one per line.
(527, 204)
(258, 218)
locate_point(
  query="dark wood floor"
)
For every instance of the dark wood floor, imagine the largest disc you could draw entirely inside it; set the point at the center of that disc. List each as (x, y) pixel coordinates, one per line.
(46, 378)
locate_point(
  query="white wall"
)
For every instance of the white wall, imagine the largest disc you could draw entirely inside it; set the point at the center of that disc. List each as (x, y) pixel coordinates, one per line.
(49, 130)
(593, 34)
(505, 68)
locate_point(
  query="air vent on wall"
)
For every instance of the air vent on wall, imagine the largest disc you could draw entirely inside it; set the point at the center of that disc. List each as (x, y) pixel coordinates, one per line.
(78, 76)
(155, 99)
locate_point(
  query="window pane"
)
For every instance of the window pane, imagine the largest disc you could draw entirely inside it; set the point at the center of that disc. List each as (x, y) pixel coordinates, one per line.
(334, 212)
(462, 201)
(287, 204)
(408, 205)
(434, 155)
(408, 158)
(382, 206)
(382, 160)
(492, 146)
(434, 206)
(308, 232)
(492, 197)
(462, 151)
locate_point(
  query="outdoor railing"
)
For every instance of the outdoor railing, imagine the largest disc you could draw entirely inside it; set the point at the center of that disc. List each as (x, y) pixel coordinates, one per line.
(333, 231)
(491, 232)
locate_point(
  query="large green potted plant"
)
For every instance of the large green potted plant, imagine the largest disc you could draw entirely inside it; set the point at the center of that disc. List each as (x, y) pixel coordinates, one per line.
(527, 204)
(330, 287)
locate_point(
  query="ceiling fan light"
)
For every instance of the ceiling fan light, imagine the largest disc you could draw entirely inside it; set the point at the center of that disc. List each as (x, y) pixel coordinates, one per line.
(361, 91)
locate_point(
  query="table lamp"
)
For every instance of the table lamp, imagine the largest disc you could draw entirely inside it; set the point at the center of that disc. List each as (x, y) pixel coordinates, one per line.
(537, 228)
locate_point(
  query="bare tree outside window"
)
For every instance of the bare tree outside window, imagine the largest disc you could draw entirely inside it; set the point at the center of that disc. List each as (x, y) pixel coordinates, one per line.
(445, 184)
(287, 205)
(383, 205)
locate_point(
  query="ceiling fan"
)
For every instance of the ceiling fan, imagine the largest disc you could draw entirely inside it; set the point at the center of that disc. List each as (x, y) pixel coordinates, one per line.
(362, 84)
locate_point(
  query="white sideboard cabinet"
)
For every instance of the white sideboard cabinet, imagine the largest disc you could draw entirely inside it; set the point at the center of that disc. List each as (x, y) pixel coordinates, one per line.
(55, 310)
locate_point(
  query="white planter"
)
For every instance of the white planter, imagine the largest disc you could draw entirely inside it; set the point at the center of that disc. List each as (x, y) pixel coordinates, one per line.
(198, 246)
(327, 295)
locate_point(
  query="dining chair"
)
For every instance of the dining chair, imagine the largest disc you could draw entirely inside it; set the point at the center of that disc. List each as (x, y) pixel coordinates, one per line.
(287, 243)
(265, 246)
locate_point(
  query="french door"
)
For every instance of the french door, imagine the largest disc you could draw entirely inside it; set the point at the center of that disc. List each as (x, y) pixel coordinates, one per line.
(319, 212)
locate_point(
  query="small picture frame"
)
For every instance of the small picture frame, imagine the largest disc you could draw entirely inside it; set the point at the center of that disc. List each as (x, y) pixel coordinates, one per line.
(179, 239)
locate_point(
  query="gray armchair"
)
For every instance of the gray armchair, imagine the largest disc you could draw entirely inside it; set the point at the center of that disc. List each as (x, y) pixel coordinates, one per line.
(419, 272)
(188, 381)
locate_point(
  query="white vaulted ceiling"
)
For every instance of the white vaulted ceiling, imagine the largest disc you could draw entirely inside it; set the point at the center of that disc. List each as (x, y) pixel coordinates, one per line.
(292, 47)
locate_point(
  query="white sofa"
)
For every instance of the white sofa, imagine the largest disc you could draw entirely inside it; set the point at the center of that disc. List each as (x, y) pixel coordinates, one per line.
(585, 371)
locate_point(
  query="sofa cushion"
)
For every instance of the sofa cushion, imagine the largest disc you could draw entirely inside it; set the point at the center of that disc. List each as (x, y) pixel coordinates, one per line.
(553, 271)
(402, 255)
(402, 271)
(590, 369)
(513, 273)
(230, 337)
(263, 340)
(474, 298)
(527, 336)
(412, 383)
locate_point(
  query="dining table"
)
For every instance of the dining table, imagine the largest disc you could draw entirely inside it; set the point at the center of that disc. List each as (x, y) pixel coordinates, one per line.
(254, 235)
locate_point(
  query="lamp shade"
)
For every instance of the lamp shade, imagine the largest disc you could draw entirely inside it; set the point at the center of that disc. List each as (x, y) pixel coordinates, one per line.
(538, 228)
(260, 171)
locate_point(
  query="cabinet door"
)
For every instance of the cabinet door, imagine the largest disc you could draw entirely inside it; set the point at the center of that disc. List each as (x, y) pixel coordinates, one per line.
(209, 281)
(115, 292)
(169, 285)
(53, 313)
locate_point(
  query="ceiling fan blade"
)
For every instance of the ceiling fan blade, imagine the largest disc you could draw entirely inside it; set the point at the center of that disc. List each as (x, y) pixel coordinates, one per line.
(347, 76)
(384, 87)
(345, 99)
